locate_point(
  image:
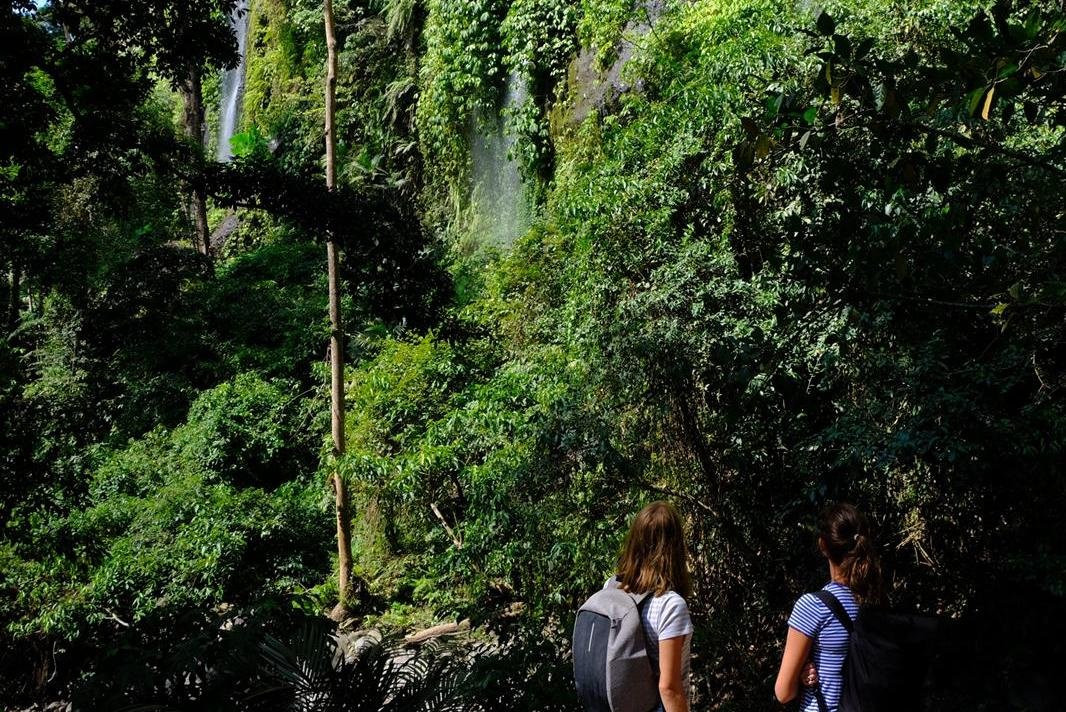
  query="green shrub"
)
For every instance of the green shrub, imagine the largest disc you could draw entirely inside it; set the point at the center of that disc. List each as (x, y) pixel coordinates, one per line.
(601, 25)
(267, 310)
(247, 432)
(173, 523)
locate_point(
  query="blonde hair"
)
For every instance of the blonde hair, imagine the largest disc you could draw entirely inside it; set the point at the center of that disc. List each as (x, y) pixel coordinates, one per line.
(654, 558)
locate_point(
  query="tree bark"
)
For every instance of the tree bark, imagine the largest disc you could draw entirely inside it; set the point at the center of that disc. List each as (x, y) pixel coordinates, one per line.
(336, 341)
(6, 285)
(14, 297)
(437, 631)
(193, 99)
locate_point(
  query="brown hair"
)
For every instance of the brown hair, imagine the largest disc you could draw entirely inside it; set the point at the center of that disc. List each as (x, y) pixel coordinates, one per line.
(846, 538)
(654, 558)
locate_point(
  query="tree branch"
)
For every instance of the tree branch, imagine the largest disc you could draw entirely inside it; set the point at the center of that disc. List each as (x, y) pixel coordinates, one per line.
(676, 495)
(971, 142)
(455, 539)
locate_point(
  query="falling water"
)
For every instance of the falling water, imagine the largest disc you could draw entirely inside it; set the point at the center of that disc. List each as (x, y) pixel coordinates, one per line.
(232, 88)
(499, 193)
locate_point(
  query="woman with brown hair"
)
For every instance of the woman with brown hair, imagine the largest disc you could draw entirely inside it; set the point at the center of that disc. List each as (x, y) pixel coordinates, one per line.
(654, 560)
(817, 642)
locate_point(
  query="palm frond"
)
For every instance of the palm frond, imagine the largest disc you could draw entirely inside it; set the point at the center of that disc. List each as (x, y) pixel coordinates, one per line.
(373, 672)
(399, 16)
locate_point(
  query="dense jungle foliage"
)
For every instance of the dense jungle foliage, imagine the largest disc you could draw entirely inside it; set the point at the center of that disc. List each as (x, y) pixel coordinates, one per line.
(765, 255)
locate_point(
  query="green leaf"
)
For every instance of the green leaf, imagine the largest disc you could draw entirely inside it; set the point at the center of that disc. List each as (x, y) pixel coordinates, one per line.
(762, 146)
(825, 23)
(773, 105)
(1008, 70)
(843, 45)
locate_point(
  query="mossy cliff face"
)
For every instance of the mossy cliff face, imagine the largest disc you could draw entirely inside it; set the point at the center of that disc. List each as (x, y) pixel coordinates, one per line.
(425, 91)
(285, 54)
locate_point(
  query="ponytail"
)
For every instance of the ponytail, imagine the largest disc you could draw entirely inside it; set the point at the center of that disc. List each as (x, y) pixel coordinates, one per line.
(848, 542)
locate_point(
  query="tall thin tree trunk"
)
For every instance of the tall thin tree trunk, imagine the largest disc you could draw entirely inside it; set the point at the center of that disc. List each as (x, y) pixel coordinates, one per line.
(336, 341)
(5, 295)
(193, 99)
(14, 297)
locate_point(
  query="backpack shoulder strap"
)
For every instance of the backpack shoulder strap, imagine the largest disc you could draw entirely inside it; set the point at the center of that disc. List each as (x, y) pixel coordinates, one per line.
(642, 600)
(837, 608)
(841, 614)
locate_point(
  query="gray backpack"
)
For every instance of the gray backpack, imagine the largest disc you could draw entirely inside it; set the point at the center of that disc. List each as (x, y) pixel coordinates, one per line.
(612, 669)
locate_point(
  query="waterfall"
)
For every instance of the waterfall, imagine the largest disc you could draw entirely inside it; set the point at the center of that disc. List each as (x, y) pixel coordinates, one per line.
(499, 194)
(232, 89)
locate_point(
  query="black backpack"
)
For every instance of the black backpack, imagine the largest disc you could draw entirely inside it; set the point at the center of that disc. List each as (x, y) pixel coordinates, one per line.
(888, 658)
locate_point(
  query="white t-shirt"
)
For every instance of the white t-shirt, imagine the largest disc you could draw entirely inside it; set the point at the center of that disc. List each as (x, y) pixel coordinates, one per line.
(666, 617)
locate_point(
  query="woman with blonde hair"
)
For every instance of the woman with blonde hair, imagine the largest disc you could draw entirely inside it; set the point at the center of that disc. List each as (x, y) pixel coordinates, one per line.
(654, 560)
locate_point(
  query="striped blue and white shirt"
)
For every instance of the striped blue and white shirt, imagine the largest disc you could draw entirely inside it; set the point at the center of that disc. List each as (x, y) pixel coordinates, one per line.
(814, 619)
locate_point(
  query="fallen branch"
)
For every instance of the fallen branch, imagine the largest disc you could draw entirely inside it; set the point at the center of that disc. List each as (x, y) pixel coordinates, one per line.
(437, 631)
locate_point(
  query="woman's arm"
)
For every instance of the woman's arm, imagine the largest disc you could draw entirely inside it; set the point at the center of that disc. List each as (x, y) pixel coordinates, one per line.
(671, 687)
(797, 650)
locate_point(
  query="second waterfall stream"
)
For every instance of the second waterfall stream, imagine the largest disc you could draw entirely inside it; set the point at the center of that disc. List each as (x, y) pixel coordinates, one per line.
(232, 88)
